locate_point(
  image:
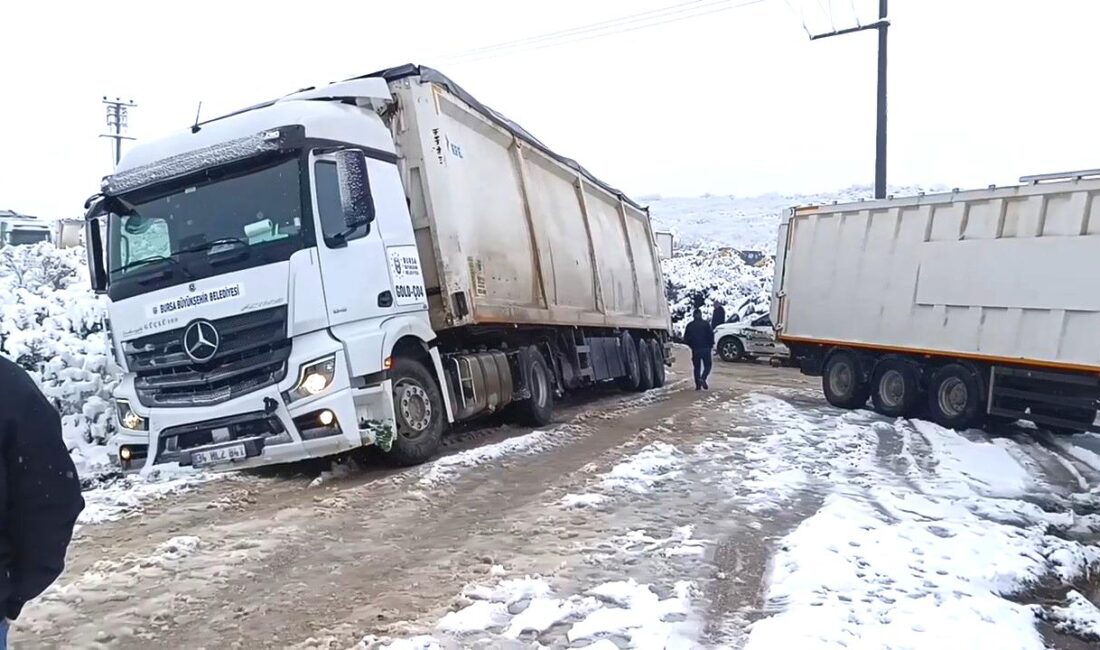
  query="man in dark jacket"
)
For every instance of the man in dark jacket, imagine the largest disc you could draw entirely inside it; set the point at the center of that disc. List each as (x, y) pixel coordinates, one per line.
(699, 336)
(39, 493)
(718, 317)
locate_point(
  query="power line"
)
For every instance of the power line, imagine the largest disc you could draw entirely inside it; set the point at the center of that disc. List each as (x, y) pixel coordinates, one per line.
(118, 119)
(607, 28)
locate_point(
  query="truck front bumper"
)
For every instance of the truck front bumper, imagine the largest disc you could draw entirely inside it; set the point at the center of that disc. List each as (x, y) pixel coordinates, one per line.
(264, 427)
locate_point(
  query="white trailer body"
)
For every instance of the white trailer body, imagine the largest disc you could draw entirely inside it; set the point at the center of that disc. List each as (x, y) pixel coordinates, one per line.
(996, 278)
(349, 264)
(664, 244)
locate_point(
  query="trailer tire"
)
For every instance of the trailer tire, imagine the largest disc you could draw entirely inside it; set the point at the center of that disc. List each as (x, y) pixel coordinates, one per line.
(537, 410)
(842, 381)
(730, 348)
(645, 366)
(955, 397)
(631, 364)
(418, 414)
(895, 388)
(658, 356)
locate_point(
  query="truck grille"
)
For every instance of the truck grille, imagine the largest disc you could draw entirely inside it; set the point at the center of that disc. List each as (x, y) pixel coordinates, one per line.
(252, 354)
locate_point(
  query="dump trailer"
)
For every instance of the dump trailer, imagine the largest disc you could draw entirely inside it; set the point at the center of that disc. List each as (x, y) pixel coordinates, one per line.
(363, 263)
(964, 307)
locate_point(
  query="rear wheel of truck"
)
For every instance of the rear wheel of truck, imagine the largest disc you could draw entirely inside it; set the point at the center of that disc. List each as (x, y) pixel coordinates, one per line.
(842, 381)
(631, 364)
(955, 397)
(645, 365)
(418, 412)
(896, 388)
(537, 410)
(730, 348)
(658, 356)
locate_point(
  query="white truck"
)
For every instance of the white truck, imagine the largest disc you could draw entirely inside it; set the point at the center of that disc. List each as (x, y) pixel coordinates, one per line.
(362, 263)
(20, 229)
(964, 306)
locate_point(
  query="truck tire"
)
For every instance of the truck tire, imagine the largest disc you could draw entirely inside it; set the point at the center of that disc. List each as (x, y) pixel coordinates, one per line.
(418, 413)
(955, 397)
(895, 388)
(537, 410)
(658, 356)
(633, 377)
(842, 381)
(645, 366)
(730, 348)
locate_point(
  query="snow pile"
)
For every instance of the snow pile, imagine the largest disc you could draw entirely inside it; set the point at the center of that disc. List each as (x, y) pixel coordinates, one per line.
(749, 223)
(698, 277)
(52, 325)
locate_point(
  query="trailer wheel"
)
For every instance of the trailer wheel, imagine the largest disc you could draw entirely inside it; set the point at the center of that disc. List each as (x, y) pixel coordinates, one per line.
(896, 388)
(538, 410)
(955, 397)
(418, 412)
(730, 348)
(658, 356)
(645, 366)
(842, 383)
(629, 351)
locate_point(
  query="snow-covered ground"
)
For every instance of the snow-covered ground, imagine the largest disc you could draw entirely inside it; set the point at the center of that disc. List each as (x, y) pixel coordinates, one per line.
(902, 534)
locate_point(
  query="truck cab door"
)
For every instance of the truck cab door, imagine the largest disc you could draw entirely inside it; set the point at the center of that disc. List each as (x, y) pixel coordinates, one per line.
(354, 267)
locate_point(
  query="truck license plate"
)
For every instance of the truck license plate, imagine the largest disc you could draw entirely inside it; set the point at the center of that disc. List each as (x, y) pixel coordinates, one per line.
(219, 455)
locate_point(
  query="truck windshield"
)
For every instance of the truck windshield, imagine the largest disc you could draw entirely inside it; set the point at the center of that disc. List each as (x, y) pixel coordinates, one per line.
(19, 237)
(183, 232)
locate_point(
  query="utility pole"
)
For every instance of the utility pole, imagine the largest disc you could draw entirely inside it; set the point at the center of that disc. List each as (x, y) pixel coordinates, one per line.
(118, 118)
(882, 25)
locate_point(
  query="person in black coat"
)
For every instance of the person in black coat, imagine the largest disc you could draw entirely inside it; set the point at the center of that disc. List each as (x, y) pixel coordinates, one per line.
(718, 317)
(39, 493)
(699, 336)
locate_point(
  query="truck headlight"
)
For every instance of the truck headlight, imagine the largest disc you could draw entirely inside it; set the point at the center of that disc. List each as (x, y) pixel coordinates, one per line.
(128, 419)
(313, 378)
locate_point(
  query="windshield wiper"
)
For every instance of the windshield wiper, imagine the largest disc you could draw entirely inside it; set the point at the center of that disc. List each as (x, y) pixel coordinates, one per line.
(153, 259)
(208, 245)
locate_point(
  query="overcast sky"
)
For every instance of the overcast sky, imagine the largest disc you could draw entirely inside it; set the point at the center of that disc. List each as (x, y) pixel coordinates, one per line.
(732, 102)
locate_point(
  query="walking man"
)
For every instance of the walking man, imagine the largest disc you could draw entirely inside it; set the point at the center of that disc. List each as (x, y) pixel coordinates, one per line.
(699, 336)
(39, 494)
(718, 317)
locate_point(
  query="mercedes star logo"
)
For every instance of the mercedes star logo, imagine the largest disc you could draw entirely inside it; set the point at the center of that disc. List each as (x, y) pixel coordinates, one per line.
(200, 341)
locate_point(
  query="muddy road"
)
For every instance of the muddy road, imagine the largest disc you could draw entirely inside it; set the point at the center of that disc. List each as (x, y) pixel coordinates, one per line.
(651, 488)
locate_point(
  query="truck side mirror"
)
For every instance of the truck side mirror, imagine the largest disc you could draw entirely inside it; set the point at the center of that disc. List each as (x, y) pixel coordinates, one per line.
(93, 235)
(355, 195)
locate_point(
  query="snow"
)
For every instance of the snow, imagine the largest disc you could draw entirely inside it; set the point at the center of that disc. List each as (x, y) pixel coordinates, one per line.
(699, 277)
(524, 608)
(117, 497)
(449, 468)
(586, 500)
(1079, 617)
(654, 464)
(52, 325)
(929, 561)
